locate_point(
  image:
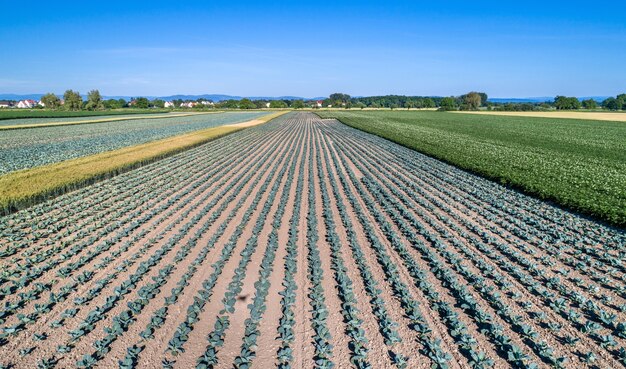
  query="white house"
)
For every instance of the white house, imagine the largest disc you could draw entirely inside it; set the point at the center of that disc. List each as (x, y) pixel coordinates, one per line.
(26, 104)
(267, 105)
(169, 104)
(204, 102)
(40, 103)
(319, 103)
(5, 104)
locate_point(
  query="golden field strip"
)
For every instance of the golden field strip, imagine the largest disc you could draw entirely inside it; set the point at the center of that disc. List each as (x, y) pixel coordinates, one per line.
(104, 120)
(615, 117)
(27, 187)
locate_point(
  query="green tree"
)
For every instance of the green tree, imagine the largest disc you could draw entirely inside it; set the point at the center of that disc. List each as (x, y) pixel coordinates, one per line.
(51, 101)
(277, 104)
(447, 104)
(611, 104)
(590, 104)
(472, 100)
(621, 101)
(338, 99)
(560, 102)
(246, 104)
(94, 100)
(566, 103)
(229, 104)
(297, 104)
(113, 104)
(142, 103)
(158, 103)
(483, 98)
(360, 105)
(429, 103)
(72, 100)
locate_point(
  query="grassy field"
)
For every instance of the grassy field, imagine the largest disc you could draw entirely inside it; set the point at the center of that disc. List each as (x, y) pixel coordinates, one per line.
(27, 187)
(42, 113)
(580, 164)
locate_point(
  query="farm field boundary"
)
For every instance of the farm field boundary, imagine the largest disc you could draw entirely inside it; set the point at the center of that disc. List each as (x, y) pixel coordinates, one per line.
(103, 120)
(614, 117)
(38, 113)
(580, 165)
(25, 188)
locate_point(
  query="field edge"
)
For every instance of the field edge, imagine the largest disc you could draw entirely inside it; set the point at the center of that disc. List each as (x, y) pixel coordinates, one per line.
(25, 188)
(6, 114)
(103, 120)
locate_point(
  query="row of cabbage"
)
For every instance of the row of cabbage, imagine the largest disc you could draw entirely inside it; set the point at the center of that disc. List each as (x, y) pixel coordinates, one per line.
(397, 197)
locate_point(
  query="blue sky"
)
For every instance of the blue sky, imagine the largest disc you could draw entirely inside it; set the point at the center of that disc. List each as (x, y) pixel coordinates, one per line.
(271, 48)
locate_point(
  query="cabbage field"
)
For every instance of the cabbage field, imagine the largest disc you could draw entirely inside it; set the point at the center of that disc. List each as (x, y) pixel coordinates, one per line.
(27, 148)
(29, 121)
(577, 163)
(305, 243)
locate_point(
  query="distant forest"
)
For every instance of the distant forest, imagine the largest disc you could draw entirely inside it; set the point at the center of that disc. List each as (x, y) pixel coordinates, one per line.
(470, 101)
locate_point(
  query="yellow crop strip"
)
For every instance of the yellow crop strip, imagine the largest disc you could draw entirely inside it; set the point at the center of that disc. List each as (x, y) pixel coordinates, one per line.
(604, 116)
(103, 120)
(27, 187)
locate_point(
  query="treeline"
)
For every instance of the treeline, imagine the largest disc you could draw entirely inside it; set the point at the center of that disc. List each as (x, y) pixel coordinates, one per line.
(73, 101)
(469, 101)
(615, 103)
(246, 103)
(391, 101)
(565, 103)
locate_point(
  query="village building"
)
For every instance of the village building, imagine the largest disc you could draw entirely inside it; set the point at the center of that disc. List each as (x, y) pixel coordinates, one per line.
(26, 104)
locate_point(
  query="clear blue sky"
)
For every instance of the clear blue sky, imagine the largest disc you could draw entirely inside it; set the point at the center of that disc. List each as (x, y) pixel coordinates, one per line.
(271, 48)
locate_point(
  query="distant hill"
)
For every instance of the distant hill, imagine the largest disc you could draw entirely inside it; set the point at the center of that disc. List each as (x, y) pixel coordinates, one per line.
(20, 97)
(213, 97)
